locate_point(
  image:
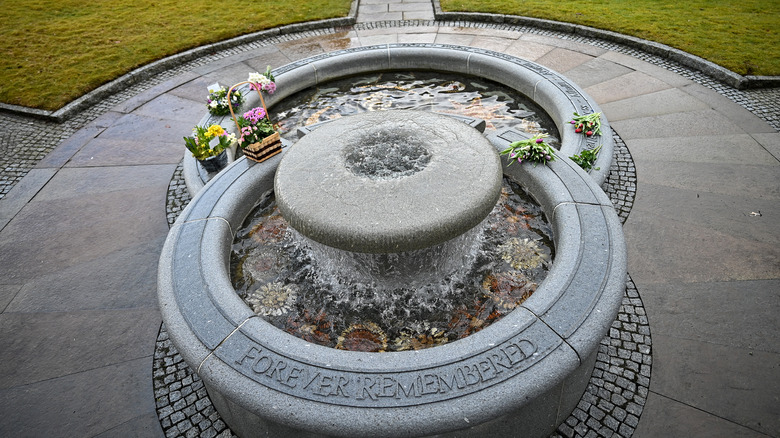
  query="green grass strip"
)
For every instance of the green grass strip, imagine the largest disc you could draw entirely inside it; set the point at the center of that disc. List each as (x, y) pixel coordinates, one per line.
(57, 50)
(741, 35)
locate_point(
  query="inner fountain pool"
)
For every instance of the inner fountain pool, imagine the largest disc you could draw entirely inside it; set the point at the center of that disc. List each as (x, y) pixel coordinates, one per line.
(499, 106)
(308, 292)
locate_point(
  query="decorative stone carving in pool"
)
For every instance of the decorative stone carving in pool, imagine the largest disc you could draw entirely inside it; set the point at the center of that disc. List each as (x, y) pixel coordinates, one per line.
(521, 376)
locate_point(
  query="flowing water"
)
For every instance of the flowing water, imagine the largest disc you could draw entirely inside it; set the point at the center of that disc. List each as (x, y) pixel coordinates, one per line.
(500, 106)
(334, 298)
(404, 301)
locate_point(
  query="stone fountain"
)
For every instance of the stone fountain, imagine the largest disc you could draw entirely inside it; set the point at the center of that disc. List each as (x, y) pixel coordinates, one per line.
(521, 376)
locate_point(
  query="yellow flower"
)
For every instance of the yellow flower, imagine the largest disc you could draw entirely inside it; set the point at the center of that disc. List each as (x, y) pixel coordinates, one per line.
(215, 131)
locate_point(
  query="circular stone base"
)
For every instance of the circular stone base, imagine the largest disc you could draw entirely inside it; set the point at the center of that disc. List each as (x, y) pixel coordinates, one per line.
(386, 182)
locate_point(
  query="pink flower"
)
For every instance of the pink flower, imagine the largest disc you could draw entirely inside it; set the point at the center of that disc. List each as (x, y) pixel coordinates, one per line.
(539, 140)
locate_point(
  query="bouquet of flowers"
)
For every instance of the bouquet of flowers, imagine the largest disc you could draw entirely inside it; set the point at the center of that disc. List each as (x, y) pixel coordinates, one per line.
(258, 137)
(218, 103)
(587, 124)
(254, 127)
(208, 142)
(533, 149)
(262, 81)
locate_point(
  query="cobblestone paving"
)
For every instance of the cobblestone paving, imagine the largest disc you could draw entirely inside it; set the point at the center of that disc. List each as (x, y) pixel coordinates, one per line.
(611, 405)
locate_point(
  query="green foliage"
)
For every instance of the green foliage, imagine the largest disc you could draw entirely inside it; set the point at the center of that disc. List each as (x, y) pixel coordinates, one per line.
(587, 158)
(202, 144)
(56, 50)
(217, 103)
(533, 149)
(588, 124)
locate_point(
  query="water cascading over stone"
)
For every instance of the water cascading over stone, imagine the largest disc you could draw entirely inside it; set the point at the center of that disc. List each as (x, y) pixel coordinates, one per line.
(391, 196)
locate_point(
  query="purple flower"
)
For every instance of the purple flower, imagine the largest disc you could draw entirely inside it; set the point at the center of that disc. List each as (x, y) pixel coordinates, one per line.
(539, 140)
(547, 157)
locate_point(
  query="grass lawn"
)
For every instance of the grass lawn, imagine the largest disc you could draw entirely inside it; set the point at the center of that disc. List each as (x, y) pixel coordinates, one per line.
(741, 35)
(57, 50)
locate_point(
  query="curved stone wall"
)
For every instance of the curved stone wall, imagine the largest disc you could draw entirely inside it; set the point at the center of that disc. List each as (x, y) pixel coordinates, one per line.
(522, 375)
(558, 96)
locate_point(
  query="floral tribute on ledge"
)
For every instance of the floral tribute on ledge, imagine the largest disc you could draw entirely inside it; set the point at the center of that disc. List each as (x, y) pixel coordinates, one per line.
(588, 125)
(217, 101)
(534, 149)
(258, 137)
(208, 146)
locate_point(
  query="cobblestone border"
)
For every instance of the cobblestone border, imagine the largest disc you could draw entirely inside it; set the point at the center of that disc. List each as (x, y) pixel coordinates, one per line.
(610, 406)
(31, 139)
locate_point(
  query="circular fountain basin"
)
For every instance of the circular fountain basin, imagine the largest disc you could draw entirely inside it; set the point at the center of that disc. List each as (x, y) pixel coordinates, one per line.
(558, 96)
(387, 182)
(521, 376)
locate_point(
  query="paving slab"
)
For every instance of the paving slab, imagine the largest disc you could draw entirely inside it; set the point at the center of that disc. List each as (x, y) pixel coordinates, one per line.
(146, 130)
(744, 389)
(714, 149)
(770, 142)
(131, 104)
(528, 49)
(418, 15)
(82, 404)
(687, 124)
(380, 16)
(587, 49)
(672, 78)
(419, 38)
(622, 87)
(733, 214)
(664, 248)
(7, 293)
(454, 39)
(665, 417)
(114, 152)
(741, 314)
(51, 345)
(491, 43)
(669, 101)
(595, 71)
(22, 193)
(65, 150)
(232, 73)
(740, 180)
(171, 107)
(53, 235)
(123, 279)
(261, 63)
(747, 121)
(563, 60)
(370, 40)
(143, 426)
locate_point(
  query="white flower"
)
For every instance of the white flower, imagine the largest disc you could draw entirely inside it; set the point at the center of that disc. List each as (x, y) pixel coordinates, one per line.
(214, 104)
(255, 77)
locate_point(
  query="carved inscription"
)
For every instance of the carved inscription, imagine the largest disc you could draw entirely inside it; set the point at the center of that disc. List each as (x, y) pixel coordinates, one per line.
(392, 389)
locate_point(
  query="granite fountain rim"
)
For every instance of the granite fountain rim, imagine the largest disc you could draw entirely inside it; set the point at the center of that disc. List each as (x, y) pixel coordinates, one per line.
(556, 94)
